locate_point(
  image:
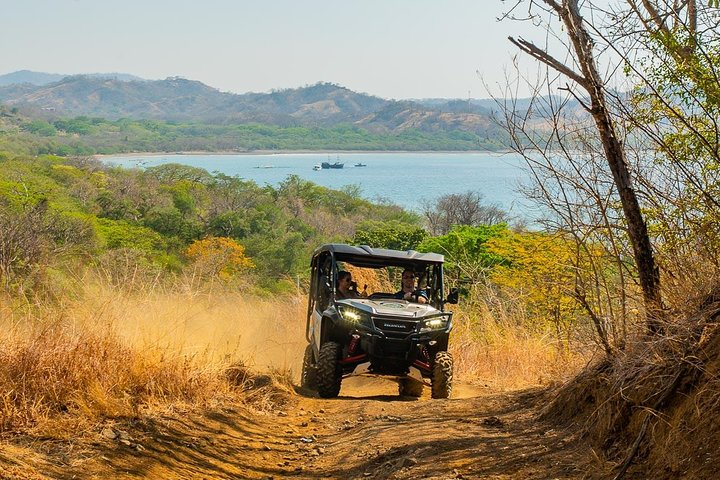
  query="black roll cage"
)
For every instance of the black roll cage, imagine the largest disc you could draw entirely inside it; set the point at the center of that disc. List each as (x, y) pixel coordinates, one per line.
(323, 269)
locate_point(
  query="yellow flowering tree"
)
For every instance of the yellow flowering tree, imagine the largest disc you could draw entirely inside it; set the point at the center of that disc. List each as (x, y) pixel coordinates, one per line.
(219, 257)
(540, 272)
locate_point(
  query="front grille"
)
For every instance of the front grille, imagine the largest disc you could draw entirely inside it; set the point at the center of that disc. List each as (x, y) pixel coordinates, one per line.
(394, 328)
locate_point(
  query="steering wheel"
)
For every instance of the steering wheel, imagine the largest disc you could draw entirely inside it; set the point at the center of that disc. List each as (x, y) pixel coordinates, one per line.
(379, 295)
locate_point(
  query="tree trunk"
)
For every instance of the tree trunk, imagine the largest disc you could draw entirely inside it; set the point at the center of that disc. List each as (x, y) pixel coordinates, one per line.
(590, 80)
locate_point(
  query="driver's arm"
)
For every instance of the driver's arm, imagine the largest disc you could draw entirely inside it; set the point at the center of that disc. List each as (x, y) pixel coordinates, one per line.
(417, 296)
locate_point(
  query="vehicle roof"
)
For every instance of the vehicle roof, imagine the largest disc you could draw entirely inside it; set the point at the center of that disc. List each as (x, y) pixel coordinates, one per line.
(365, 256)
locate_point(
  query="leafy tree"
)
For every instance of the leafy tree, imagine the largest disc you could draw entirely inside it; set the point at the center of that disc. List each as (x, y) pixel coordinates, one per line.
(672, 56)
(171, 173)
(279, 256)
(169, 221)
(115, 208)
(41, 127)
(539, 270)
(219, 256)
(80, 125)
(392, 234)
(116, 234)
(466, 250)
(578, 64)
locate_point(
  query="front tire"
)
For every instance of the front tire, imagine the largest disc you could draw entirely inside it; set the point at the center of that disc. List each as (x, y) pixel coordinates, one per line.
(329, 373)
(308, 377)
(442, 375)
(409, 387)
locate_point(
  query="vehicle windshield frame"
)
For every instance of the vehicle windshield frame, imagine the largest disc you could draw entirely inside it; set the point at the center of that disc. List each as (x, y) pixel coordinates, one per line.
(373, 258)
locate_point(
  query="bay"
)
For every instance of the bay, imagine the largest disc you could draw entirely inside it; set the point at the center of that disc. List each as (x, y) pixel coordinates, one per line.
(403, 178)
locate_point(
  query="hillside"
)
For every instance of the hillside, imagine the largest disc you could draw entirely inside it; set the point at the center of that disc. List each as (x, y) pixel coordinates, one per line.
(178, 99)
(43, 78)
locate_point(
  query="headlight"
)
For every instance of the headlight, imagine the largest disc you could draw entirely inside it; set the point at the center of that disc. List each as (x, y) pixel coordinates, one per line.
(436, 323)
(353, 315)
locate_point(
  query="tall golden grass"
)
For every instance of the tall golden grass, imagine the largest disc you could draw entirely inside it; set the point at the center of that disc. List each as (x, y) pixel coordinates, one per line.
(112, 352)
(504, 355)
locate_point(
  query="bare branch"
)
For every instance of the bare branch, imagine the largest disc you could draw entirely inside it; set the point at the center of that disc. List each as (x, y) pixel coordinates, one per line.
(541, 55)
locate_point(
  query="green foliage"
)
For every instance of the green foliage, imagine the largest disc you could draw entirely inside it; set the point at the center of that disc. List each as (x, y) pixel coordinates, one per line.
(149, 218)
(676, 103)
(466, 248)
(35, 239)
(392, 234)
(170, 173)
(170, 222)
(41, 127)
(279, 256)
(79, 125)
(116, 234)
(88, 136)
(539, 269)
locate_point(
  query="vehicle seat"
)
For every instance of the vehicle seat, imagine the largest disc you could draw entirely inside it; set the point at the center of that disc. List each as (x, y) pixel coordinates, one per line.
(324, 292)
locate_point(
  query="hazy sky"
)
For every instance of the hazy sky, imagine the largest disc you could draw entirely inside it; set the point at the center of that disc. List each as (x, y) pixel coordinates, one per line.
(390, 48)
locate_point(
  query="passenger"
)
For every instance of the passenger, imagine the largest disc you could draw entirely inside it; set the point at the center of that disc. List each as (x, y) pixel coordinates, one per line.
(346, 288)
(408, 291)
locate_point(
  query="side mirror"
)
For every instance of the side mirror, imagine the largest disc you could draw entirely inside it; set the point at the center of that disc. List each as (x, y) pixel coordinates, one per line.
(453, 296)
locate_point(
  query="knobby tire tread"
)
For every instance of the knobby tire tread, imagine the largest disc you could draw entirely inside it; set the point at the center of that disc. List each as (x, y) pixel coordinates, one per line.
(442, 375)
(329, 374)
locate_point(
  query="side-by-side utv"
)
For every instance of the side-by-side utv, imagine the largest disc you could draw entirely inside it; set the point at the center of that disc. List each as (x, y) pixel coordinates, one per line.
(378, 333)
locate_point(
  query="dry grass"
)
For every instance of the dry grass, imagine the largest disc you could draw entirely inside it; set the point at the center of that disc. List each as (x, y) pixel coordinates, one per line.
(220, 326)
(116, 354)
(500, 353)
(655, 403)
(112, 353)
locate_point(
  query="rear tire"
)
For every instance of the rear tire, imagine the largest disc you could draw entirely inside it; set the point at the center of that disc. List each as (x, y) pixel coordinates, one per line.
(308, 377)
(329, 373)
(442, 375)
(409, 387)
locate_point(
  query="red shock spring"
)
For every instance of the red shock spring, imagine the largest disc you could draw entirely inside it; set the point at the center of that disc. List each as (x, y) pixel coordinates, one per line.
(354, 340)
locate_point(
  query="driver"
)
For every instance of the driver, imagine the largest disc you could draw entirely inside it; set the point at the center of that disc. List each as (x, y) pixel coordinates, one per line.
(408, 291)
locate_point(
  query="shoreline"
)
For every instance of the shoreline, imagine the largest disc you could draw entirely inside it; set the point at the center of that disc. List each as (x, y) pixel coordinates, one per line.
(100, 156)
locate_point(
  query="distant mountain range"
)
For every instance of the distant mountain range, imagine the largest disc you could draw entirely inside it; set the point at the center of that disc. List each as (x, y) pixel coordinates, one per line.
(42, 78)
(114, 96)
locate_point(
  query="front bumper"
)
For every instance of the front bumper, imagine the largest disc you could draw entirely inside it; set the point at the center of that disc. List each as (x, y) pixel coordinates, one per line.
(394, 356)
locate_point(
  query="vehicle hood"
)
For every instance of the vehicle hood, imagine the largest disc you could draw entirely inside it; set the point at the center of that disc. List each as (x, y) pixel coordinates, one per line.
(392, 308)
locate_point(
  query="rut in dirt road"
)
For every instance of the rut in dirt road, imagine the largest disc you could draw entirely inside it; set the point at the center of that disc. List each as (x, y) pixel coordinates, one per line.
(367, 432)
(370, 432)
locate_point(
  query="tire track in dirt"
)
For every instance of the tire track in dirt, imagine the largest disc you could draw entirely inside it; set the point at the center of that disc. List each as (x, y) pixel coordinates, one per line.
(370, 432)
(367, 432)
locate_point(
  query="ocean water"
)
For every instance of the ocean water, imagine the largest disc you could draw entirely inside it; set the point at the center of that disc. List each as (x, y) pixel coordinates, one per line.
(406, 179)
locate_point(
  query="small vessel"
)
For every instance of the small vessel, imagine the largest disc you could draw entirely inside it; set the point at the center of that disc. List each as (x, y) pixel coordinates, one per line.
(264, 166)
(317, 166)
(360, 164)
(337, 163)
(332, 165)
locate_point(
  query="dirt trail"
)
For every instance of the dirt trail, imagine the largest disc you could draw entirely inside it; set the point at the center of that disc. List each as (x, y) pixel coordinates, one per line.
(368, 432)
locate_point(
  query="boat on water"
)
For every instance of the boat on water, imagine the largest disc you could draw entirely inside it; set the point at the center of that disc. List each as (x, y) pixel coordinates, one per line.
(337, 164)
(317, 166)
(264, 166)
(326, 165)
(360, 164)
